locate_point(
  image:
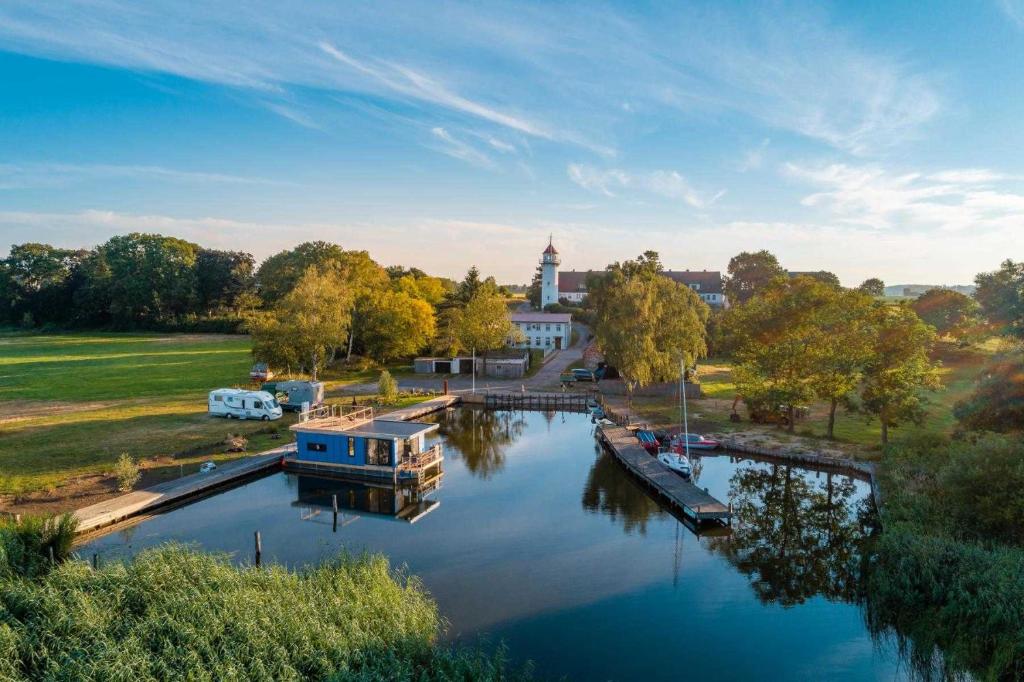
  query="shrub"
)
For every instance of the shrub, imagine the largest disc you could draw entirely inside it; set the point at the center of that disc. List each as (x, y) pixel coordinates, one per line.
(236, 442)
(29, 548)
(387, 387)
(127, 472)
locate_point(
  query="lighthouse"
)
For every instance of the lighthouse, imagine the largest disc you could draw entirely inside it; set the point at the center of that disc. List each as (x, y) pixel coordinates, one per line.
(549, 275)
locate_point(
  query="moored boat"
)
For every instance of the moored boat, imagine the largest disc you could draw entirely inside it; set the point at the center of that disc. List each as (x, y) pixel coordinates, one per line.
(676, 462)
(692, 441)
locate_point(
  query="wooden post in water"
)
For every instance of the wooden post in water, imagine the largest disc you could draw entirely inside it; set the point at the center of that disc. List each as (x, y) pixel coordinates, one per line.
(259, 549)
(95, 560)
(334, 504)
(52, 560)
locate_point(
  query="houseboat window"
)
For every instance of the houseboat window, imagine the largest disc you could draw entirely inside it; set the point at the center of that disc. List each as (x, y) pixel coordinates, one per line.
(351, 447)
(316, 447)
(378, 452)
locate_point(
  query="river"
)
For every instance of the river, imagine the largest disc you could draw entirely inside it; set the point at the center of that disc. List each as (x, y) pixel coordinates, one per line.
(539, 538)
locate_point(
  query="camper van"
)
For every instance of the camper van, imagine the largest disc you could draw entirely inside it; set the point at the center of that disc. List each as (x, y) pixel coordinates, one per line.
(293, 394)
(237, 403)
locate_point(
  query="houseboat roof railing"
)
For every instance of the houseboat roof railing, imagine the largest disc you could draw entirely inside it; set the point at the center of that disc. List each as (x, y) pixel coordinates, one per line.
(334, 416)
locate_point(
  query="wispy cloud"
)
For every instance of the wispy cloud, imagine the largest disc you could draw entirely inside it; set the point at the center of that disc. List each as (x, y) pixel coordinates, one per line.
(1014, 10)
(460, 149)
(668, 184)
(754, 157)
(44, 175)
(972, 200)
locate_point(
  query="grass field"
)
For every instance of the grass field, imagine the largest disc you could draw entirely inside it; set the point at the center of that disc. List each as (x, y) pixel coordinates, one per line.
(71, 403)
(960, 368)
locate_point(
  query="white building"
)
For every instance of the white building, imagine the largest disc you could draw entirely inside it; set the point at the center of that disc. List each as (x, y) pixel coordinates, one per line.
(548, 331)
(549, 263)
(708, 284)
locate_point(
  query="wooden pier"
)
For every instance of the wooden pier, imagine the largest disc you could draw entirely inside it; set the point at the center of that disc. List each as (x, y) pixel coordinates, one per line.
(559, 402)
(693, 502)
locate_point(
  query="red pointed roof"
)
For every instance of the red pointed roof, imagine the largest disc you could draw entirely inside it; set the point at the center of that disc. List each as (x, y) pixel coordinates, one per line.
(551, 248)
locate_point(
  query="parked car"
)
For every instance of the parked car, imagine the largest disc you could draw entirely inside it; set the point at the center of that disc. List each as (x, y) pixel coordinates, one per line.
(567, 378)
(261, 372)
(237, 403)
(584, 374)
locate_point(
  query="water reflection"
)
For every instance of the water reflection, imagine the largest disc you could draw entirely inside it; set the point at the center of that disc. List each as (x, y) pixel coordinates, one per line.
(610, 490)
(796, 537)
(482, 437)
(355, 497)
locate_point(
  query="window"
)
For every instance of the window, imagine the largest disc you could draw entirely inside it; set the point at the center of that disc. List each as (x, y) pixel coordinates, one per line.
(316, 447)
(695, 286)
(547, 327)
(351, 447)
(257, 404)
(378, 451)
(547, 341)
(218, 398)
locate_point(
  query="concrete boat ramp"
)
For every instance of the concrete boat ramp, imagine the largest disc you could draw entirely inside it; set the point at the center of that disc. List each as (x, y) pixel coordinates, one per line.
(694, 503)
(117, 509)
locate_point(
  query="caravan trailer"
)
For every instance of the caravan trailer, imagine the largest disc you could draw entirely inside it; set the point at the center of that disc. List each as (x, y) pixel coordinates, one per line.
(296, 393)
(237, 403)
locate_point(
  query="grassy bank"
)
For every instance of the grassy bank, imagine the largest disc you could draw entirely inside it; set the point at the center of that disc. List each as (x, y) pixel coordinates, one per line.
(70, 404)
(175, 613)
(948, 570)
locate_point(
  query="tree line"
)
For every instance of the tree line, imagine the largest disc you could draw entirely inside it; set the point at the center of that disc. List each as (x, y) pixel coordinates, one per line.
(305, 307)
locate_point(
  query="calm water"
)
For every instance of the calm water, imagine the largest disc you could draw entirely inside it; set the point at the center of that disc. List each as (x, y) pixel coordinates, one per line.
(539, 538)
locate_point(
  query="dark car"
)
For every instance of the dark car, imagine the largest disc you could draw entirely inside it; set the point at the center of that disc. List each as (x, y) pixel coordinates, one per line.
(584, 374)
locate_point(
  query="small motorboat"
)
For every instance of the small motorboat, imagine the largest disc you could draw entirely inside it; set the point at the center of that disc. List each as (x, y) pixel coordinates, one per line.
(648, 440)
(207, 467)
(693, 441)
(676, 462)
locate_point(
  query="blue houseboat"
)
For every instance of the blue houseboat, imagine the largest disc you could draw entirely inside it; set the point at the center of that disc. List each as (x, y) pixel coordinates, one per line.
(362, 497)
(350, 441)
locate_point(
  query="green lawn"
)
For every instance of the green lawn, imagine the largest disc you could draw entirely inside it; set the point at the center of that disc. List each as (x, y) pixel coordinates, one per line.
(71, 403)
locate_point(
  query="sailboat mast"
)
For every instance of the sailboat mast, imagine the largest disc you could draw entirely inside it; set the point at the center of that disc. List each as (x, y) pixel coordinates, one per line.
(682, 392)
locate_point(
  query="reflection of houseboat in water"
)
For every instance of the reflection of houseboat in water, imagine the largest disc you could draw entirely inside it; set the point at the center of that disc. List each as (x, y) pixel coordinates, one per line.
(403, 501)
(349, 441)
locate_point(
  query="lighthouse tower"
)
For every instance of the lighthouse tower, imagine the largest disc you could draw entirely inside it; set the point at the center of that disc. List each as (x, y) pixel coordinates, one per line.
(549, 270)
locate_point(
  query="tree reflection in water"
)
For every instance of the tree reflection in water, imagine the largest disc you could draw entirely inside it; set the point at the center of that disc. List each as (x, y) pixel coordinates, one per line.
(482, 436)
(610, 490)
(796, 537)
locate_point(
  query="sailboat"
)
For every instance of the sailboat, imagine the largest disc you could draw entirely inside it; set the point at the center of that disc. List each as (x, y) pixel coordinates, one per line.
(677, 457)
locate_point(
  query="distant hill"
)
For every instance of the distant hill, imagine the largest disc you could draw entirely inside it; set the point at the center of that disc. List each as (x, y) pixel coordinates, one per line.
(915, 290)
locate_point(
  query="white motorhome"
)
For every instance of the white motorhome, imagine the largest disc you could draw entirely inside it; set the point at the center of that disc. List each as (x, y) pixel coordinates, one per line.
(237, 403)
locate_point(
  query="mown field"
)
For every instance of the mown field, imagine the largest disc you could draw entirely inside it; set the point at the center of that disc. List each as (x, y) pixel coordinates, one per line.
(960, 369)
(70, 404)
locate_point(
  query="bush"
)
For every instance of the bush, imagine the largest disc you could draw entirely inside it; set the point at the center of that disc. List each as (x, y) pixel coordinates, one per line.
(174, 613)
(29, 548)
(387, 387)
(997, 403)
(127, 472)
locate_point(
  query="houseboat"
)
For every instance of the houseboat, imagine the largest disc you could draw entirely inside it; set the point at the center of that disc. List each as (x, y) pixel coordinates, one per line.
(317, 495)
(350, 441)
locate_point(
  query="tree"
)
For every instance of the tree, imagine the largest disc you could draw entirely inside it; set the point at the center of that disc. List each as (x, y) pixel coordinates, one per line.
(485, 324)
(470, 286)
(823, 276)
(1001, 295)
(898, 371)
(872, 287)
(997, 403)
(307, 326)
(38, 279)
(149, 278)
(843, 348)
(396, 325)
(222, 277)
(750, 272)
(281, 272)
(424, 287)
(647, 325)
(950, 312)
(782, 344)
(387, 388)
(534, 291)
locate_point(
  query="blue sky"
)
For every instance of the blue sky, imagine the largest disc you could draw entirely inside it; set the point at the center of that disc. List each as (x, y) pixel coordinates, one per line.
(867, 138)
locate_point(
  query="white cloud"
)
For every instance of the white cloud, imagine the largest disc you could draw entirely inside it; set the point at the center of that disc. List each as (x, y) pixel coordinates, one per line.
(951, 200)
(1014, 10)
(754, 158)
(461, 150)
(54, 175)
(664, 183)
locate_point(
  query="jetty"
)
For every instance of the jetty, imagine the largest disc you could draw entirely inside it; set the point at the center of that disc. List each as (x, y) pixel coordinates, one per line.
(188, 488)
(530, 400)
(693, 502)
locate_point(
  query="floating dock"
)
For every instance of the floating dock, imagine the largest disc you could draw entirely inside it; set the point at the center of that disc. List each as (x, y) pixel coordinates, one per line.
(693, 502)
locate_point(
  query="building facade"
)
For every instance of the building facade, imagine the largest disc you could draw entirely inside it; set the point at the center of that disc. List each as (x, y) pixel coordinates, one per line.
(708, 284)
(547, 331)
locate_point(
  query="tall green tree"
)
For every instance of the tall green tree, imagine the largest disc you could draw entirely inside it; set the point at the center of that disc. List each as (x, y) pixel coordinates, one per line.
(396, 325)
(997, 402)
(750, 272)
(152, 278)
(306, 328)
(899, 371)
(872, 287)
(485, 323)
(222, 277)
(950, 312)
(1001, 296)
(534, 292)
(647, 325)
(38, 280)
(280, 273)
